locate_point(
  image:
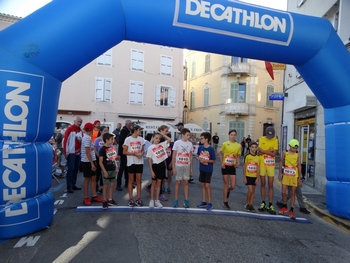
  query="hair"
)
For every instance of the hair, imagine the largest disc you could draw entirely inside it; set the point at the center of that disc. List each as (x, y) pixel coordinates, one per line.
(149, 136)
(162, 127)
(169, 135)
(156, 133)
(185, 130)
(107, 136)
(206, 135)
(253, 143)
(101, 130)
(232, 131)
(134, 127)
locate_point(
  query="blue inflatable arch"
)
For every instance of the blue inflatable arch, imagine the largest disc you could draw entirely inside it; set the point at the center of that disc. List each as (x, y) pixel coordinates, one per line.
(45, 48)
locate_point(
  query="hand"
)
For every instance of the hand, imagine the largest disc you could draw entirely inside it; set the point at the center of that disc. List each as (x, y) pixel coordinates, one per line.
(257, 181)
(105, 174)
(245, 180)
(223, 166)
(237, 165)
(117, 170)
(153, 175)
(93, 167)
(300, 182)
(279, 176)
(191, 172)
(174, 171)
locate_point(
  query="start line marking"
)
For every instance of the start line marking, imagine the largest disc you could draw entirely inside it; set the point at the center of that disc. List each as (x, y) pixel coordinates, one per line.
(191, 211)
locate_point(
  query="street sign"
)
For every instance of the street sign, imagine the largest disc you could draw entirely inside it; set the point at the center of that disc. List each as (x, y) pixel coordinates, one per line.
(276, 96)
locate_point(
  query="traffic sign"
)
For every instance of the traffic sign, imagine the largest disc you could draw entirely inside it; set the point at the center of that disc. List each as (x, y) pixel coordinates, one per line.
(276, 96)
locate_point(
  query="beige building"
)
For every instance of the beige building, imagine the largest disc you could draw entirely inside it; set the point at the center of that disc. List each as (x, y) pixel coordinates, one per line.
(224, 93)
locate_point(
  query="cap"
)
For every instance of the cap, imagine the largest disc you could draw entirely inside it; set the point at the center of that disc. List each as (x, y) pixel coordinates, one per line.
(270, 132)
(88, 126)
(293, 143)
(96, 121)
(179, 124)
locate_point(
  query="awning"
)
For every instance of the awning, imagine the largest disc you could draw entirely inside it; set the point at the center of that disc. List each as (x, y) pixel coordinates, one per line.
(194, 128)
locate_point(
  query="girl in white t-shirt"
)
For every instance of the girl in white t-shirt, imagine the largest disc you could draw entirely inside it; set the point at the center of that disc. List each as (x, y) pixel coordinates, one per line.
(157, 155)
(133, 148)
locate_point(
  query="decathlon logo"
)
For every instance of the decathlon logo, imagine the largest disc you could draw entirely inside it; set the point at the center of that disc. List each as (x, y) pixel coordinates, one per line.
(235, 19)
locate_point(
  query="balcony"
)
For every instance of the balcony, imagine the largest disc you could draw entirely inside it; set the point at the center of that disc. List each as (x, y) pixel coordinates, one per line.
(237, 108)
(240, 68)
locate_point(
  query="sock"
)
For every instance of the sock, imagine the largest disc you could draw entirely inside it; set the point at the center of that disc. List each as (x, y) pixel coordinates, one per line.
(292, 208)
(285, 205)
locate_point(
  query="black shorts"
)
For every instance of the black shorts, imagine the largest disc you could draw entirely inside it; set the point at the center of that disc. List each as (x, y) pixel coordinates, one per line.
(159, 170)
(229, 170)
(87, 172)
(135, 169)
(205, 177)
(250, 180)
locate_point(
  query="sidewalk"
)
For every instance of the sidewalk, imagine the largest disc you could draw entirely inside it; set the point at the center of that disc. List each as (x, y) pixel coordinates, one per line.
(316, 202)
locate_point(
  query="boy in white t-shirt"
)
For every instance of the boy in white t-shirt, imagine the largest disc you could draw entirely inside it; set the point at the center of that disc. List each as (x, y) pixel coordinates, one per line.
(182, 165)
(157, 155)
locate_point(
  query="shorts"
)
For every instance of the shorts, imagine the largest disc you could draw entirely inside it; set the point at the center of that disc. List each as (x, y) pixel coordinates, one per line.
(229, 170)
(87, 172)
(205, 177)
(290, 181)
(135, 169)
(183, 173)
(251, 180)
(159, 170)
(110, 179)
(267, 170)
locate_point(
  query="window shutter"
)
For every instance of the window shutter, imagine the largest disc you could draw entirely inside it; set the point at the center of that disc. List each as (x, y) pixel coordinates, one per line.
(107, 90)
(99, 89)
(157, 98)
(132, 93)
(139, 93)
(234, 92)
(172, 97)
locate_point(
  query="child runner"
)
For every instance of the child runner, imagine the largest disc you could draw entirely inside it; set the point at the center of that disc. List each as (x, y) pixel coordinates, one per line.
(168, 161)
(182, 165)
(206, 156)
(229, 156)
(133, 148)
(109, 168)
(292, 168)
(88, 163)
(250, 174)
(98, 144)
(156, 155)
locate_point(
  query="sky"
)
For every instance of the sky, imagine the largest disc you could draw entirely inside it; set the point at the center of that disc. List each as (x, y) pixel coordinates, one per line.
(22, 8)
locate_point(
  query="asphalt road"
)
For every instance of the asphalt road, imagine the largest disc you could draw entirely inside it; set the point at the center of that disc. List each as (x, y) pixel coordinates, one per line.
(175, 237)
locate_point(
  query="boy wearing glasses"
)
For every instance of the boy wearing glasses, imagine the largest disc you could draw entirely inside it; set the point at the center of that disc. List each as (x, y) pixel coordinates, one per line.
(292, 167)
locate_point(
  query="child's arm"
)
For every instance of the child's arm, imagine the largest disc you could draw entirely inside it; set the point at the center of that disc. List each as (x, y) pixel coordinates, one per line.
(88, 155)
(220, 158)
(105, 174)
(238, 158)
(191, 162)
(281, 164)
(150, 167)
(257, 174)
(300, 182)
(173, 161)
(244, 173)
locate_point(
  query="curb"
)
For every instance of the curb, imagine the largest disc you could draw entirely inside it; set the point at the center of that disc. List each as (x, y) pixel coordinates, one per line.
(323, 214)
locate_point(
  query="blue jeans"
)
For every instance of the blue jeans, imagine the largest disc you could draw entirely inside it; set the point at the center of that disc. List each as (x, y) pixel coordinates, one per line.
(73, 162)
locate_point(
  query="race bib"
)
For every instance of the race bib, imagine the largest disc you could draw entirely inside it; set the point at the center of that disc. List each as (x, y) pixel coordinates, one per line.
(101, 143)
(111, 154)
(159, 151)
(289, 171)
(230, 160)
(183, 158)
(269, 160)
(168, 151)
(252, 167)
(135, 147)
(205, 155)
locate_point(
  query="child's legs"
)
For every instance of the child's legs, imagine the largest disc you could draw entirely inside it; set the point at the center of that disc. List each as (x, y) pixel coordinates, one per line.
(225, 180)
(233, 181)
(111, 188)
(292, 195)
(208, 189)
(170, 174)
(203, 192)
(159, 185)
(154, 182)
(270, 185)
(130, 184)
(284, 193)
(105, 187)
(86, 186)
(93, 185)
(186, 189)
(138, 184)
(262, 186)
(177, 188)
(251, 192)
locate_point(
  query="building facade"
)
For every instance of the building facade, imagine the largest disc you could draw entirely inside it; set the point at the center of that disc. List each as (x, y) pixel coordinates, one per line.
(224, 93)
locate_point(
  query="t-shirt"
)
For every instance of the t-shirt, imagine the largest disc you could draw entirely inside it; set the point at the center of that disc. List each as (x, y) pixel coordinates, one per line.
(109, 155)
(208, 154)
(291, 165)
(252, 163)
(135, 145)
(183, 152)
(215, 139)
(232, 151)
(86, 142)
(98, 144)
(266, 144)
(169, 152)
(157, 152)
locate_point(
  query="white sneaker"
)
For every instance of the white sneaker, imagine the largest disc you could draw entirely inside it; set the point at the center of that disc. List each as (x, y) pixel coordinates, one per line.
(151, 203)
(158, 204)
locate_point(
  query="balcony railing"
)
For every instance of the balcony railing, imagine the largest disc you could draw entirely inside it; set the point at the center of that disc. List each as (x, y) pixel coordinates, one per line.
(237, 108)
(240, 68)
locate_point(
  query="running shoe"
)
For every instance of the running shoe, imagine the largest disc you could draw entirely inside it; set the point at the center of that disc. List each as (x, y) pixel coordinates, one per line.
(97, 199)
(151, 203)
(87, 201)
(283, 210)
(163, 198)
(292, 215)
(104, 205)
(168, 190)
(139, 202)
(175, 203)
(262, 207)
(131, 203)
(202, 205)
(158, 204)
(186, 204)
(271, 210)
(112, 202)
(226, 206)
(209, 206)
(247, 208)
(252, 209)
(191, 180)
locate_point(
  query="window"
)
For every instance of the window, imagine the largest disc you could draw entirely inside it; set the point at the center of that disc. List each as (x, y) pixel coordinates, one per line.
(136, 92)
(105, 59)
(238, 92)
(207, 63)
(103, 89)
(192, 100)
(166, 64)
(137, 60)
(193, 68)
(206, 96)
(206, 126)
(269, 90)
(238, 60)
(165, 96)
(239, 127)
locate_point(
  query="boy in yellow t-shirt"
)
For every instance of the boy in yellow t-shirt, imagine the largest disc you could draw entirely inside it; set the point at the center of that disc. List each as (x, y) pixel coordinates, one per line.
(292, 167)
(250, 174)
